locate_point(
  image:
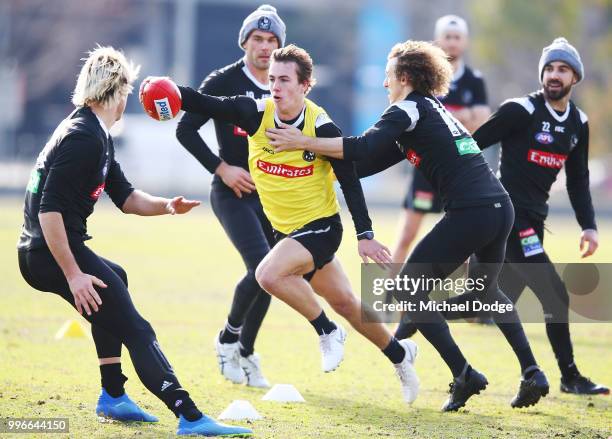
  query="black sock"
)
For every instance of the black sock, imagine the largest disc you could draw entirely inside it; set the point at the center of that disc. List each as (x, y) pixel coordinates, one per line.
(528, 373)
(394, 351)
(322, 324)
(231, 333)
(568, 371)
(112, 379)
(181, 404)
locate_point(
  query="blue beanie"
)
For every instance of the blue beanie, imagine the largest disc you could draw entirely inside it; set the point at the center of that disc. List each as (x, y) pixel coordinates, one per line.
(561, 50)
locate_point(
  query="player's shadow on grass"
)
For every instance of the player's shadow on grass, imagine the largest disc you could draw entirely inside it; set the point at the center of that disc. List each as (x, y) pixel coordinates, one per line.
(426, 419)
(364, 412)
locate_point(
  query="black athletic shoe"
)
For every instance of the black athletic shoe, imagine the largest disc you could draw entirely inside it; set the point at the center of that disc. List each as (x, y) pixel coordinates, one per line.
(531, 390)
(460, 391)
(406, 329)
(581, 385)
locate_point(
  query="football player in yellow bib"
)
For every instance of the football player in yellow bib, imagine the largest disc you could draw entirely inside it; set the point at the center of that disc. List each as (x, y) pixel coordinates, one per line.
(297, 195)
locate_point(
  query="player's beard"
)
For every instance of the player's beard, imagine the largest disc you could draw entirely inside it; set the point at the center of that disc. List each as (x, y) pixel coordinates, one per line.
(556, 95)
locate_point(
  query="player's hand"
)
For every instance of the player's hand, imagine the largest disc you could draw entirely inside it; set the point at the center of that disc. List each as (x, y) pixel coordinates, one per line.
(374, 250)
(179, 205)
(236, 178)
(85, 295)
(591, 239)
(286, 138)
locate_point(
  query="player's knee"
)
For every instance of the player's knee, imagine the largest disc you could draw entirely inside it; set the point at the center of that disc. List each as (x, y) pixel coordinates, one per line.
(122, 274)
(249, 282)
(137, 329)
(266, 277)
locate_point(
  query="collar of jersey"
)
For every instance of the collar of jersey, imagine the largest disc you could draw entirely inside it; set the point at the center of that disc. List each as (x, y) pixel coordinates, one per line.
(460, 71)
(554, 114)
(102, 125)
(253, 79)
(297, 122)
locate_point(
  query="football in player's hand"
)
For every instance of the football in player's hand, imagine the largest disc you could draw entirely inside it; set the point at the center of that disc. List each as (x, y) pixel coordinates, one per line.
(160, 97)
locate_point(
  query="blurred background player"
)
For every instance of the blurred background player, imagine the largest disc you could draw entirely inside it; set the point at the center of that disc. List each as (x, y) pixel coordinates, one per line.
(233, 197)
(467, 101)
(75, 167)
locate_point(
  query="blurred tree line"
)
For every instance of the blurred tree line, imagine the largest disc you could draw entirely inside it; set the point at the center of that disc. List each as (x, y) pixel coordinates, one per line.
(507, 41)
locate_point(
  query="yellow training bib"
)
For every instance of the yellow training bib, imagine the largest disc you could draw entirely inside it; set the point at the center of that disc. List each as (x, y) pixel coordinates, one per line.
(295, 187)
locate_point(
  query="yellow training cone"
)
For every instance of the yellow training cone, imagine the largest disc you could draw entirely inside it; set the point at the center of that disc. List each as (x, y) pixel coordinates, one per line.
(72, 329)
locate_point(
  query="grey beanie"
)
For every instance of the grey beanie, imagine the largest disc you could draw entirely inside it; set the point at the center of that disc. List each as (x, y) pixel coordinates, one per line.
(561, 50)
(266, 19)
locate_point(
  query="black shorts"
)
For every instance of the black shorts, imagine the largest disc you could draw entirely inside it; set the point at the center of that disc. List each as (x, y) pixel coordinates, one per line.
(321, 237)
(421, 197)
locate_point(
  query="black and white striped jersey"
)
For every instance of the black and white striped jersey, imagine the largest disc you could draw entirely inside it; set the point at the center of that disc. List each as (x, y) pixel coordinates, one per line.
(537, 142)
(430, 138)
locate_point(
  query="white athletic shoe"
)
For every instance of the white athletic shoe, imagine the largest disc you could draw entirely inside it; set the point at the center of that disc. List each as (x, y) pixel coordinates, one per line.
(406, 373)
(332, 348)
(252, 371)
(228, 357)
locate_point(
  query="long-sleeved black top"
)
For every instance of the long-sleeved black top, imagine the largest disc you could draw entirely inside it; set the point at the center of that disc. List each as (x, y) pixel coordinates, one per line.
(422, 131)
(537, 142)
(76, 165)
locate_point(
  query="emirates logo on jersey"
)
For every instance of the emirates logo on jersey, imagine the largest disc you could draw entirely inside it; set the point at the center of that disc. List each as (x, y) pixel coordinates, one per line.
(239, 131)
(546, 159)
(97, 192)
(526, 232)
(283, 170)
(413, 157)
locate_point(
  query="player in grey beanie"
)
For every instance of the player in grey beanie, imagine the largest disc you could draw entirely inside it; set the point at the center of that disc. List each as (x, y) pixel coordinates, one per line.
(561, 50)
(266, 19)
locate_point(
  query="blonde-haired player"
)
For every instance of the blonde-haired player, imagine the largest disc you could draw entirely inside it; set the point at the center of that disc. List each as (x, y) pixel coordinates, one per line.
(76, 165)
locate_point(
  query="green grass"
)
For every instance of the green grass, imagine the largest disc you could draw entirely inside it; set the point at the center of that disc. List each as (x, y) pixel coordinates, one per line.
(182, 271)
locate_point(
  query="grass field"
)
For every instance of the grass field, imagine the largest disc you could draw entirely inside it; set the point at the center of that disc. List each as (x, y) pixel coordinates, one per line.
(182, 271)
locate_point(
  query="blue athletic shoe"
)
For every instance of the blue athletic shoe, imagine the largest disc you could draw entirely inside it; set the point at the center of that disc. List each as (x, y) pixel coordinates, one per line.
(121, 409)
(206, 426)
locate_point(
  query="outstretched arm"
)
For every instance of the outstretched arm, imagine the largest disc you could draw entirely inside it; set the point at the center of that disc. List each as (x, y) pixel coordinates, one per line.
(236, 109)
(143, 204)
(386, 131)
(290, 138)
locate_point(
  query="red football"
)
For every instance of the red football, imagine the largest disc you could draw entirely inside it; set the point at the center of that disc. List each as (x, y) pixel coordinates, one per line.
(160, 97)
